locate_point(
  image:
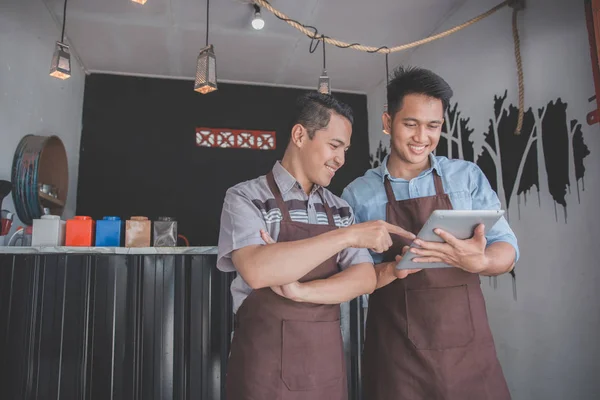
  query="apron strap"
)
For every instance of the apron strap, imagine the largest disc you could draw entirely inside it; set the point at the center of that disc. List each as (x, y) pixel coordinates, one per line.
(278, 198)
(327, 210)
(437, 181)
(388, 190)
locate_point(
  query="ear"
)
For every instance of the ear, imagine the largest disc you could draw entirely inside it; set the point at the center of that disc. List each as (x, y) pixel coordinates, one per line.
(299, 135)
(387, 123)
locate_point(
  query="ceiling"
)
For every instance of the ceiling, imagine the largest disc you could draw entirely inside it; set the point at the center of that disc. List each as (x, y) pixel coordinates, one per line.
(163, 37)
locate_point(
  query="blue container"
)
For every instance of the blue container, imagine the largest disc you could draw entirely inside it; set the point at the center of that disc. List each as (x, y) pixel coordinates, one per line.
(109, 232)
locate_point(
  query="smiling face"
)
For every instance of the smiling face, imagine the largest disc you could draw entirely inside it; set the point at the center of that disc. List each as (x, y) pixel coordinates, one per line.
(415, 131)
(323, 154)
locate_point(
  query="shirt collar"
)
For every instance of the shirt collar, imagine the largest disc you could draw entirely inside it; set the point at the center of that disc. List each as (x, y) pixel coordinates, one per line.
(383, 171)
(286, 181)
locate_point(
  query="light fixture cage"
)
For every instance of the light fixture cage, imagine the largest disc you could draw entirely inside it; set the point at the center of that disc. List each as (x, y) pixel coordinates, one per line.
(61, 62)
(206, 71)
(324, 83)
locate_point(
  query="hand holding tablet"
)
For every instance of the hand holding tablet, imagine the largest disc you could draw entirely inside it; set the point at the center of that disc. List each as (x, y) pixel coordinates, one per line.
(459, 223)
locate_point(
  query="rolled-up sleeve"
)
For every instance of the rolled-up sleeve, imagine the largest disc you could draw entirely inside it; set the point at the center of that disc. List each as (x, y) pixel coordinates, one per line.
(485, 198)
(352, 256)
(241, 222)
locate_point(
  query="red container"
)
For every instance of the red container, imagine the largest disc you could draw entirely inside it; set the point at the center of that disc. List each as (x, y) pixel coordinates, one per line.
(80, 231)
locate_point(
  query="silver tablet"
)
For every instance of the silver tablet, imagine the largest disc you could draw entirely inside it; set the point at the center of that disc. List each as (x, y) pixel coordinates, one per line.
(459, 223)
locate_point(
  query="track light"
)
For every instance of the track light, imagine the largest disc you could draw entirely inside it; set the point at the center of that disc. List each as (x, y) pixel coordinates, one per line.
(257, 22)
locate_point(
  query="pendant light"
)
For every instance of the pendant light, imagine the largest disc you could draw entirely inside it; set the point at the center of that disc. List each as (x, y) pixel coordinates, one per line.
(324, 84)
(206, 68)
(257, 21)
(61, 60)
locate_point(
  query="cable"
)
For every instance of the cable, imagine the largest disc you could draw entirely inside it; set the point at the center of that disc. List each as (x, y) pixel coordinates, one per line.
(62, 36)
(387, 71)
(324, 63)
(207, 19)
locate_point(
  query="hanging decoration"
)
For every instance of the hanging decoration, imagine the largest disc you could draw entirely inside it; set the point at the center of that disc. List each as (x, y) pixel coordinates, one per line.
(61, 60)
(206, 66)
(235, 138)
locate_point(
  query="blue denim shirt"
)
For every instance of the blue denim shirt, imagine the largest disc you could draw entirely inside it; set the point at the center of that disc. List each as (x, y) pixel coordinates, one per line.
(463, 181)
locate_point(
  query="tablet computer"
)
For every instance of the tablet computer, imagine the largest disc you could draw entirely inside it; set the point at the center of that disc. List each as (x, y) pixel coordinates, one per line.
(459, 223)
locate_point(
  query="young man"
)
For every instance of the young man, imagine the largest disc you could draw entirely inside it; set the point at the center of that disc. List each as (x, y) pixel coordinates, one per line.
(427, 335)
(287, 343)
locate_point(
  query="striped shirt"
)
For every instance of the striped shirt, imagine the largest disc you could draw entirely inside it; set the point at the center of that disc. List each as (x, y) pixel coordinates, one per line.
(250, 207)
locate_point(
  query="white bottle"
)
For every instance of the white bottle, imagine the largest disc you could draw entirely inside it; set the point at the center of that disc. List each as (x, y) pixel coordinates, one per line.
(48, 231)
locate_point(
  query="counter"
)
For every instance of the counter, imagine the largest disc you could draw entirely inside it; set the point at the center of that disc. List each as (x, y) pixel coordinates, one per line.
(123, 324)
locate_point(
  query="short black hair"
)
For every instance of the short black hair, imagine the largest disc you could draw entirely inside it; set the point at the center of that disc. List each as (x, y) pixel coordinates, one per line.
(313, 111)
(412, 80)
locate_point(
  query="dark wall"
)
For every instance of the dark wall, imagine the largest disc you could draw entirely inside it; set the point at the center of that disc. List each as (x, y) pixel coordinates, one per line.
(139, 156)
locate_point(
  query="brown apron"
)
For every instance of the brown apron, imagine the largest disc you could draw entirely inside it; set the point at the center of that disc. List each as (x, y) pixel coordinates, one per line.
(427, 336)
(284, 350)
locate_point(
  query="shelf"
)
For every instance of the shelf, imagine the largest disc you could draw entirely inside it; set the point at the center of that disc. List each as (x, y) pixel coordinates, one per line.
(51, 200)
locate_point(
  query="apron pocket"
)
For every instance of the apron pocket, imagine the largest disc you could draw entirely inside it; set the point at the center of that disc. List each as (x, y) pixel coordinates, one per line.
(312, 354)
(439, 318)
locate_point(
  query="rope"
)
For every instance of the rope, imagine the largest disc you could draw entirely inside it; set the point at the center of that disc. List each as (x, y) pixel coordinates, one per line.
(515, 31)
(315, 36)
(306, 29)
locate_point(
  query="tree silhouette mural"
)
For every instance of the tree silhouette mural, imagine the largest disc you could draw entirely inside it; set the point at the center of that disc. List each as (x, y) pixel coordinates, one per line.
(455, 140)
(379, 155)
(548, 154)
(509, 160)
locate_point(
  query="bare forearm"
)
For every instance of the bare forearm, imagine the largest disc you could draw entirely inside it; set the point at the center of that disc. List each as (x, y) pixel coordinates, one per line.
(500, 258)
(344, 286)
(385, 273)
(286, 262)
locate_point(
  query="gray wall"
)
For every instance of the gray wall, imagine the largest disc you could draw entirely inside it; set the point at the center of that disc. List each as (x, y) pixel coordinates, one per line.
(31, 101)
(547, 340)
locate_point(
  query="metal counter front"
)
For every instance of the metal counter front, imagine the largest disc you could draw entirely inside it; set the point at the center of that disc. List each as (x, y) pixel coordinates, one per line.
(123, 324)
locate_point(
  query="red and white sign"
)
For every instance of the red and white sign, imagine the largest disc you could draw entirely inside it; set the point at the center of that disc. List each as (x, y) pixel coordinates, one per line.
(235, 139)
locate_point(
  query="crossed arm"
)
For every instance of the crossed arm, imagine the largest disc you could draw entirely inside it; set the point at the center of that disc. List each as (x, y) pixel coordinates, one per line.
(281, 265)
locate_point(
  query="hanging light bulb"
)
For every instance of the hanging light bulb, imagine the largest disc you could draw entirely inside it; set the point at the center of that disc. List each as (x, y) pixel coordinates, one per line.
(139, 1)
(61, 59)
(206, 66)
(324, 84)
(387, 82)
(257, 22)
